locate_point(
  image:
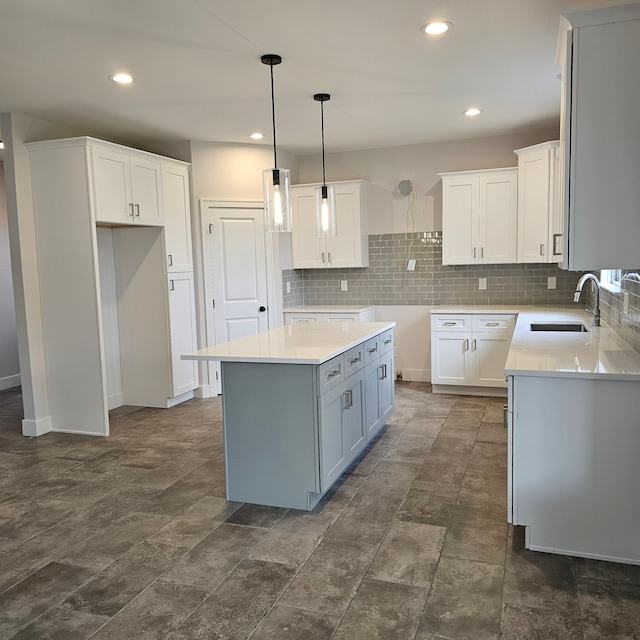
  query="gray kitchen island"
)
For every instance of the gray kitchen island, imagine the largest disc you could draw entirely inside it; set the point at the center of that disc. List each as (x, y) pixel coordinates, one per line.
(300, 403)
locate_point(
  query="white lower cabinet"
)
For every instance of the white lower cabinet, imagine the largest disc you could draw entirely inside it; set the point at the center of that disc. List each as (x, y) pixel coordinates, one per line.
(331, 313)
(470, 350)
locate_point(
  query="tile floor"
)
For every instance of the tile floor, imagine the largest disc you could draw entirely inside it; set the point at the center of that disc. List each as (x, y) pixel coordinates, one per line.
(131, 537)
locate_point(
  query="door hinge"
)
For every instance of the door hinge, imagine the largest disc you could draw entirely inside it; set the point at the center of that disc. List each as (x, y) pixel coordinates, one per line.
(213, 303)
(217, 375)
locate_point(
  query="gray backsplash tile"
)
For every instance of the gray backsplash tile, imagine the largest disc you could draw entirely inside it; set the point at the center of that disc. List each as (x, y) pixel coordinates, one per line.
(386, 281)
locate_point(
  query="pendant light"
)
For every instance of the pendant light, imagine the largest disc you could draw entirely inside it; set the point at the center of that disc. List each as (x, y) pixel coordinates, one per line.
(277, 205)
(325, 197)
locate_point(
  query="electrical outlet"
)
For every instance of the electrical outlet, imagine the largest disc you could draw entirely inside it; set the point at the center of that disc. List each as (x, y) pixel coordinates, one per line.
(551, 282)
(344, 286)
(482, 284)
(625, 304)
(288, 287)
(411, 265)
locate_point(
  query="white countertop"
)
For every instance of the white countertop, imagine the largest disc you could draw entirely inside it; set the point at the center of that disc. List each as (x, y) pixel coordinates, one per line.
(333, 308)
(598, 353)
(301, 343)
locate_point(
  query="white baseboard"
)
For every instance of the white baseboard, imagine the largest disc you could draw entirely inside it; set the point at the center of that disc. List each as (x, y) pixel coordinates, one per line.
(416, 375)
(183, 397)
(115, 400)
(39, 427)
(81, 433)
(8, 382)
(205, 391)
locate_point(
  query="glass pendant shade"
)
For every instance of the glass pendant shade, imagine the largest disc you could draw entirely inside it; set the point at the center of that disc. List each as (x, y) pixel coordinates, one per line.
(277, 204)
(325, 210)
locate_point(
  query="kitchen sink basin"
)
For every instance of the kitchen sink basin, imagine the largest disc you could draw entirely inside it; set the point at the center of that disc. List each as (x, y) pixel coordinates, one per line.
(574, 327)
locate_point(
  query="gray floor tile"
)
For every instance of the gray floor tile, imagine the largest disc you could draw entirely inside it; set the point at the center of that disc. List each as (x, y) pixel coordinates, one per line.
(288, 623)
(236, 608)
(110, 590)
(382, 610)
(59, 623)
(524, 623)
(408, 554)
(154, 614)
(257, 515)
(429, 503)
(464, 602)
(330, 577)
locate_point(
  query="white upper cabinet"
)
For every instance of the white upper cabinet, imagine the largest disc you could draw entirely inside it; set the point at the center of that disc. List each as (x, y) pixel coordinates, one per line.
(538, 208)
(127, 187)
(349, 247)
(177, 217)
(479, 216)
(600, 51)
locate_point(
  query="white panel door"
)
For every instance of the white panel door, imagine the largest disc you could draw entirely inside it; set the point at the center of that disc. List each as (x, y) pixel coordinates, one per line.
(308, 250)
(112, 186)
(238, 277)
(450, 362)
(490, 356)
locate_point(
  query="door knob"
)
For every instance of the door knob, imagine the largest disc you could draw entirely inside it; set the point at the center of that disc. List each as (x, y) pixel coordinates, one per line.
(261, 309)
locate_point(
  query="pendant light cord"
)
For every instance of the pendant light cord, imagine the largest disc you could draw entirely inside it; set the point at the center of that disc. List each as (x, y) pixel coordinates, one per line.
(324, 180)
(273, 119)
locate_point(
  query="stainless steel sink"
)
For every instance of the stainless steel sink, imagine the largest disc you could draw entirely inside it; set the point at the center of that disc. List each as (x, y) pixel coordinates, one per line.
(574, 327)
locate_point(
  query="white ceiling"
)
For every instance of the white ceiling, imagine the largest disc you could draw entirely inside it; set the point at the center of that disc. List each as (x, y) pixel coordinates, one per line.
(199, 76)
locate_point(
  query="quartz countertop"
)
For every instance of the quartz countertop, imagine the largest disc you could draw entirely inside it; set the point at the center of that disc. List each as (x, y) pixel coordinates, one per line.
(301, 343)
(597, 353)
(332, 308)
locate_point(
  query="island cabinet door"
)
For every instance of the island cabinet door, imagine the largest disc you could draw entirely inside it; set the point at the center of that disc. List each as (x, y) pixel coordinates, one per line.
(332, 458)
(385, 386)
(372, 417)
(354, 434)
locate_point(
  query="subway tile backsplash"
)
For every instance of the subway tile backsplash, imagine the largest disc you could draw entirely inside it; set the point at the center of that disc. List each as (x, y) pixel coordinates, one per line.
(624, 321)
(386, 280)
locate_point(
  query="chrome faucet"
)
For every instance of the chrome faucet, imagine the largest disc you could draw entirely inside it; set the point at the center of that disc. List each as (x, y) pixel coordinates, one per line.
(596, 289)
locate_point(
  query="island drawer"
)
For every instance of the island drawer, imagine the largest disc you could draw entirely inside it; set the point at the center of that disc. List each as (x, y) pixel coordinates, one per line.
(331, 373)
(371, 350)
(386, 341)
(354, 360)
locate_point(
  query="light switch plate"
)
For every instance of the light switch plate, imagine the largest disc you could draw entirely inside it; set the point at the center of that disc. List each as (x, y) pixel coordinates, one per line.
(551, 282)
(411, 265)
(482, 284)
(344, 285)
(288, 287)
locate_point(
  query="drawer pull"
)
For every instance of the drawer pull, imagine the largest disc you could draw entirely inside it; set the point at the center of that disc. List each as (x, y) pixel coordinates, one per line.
(387, 341)
(373, 349)
(334, 373)
(493, 324)
(354, 360)
(448, 324)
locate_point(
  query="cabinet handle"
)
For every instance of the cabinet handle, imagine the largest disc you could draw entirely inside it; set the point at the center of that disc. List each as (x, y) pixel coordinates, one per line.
(448, 324)
(482, 252)
(137, 210)
(329, 255)
(473, 345)
(334, 373)
(131, 207)
(348, 398)
(387, 341)
(323, 260)
(354, 360)
(383, 371)
(373, 349)
(492, 324)
(466, 344)
(171, 287)
(170, 260)
(555, 244)
(542, 249)
(474, 253)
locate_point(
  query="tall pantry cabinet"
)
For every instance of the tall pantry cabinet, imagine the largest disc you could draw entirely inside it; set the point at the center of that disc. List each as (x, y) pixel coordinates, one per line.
(116, 279)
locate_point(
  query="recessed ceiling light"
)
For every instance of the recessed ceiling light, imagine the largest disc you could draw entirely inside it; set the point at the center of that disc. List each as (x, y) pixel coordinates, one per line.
(121, 78)
(472, 111)
(256, 136)
(436, 28)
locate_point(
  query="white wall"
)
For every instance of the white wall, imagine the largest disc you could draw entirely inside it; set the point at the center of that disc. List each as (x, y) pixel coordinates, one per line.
(9, 364)
(419, 163)
(16, 131)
